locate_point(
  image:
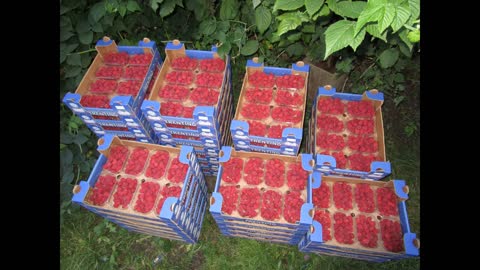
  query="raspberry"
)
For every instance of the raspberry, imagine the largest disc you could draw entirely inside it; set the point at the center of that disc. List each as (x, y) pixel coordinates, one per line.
(330, 141)
(184, 63)
(363, 144)
(249, 202)
(292, 206)
(271, 205)
(321, 196)
(360, 162)
(364, 198)
(204, 96)
(168, 191)
(173, 92)
(135, 73)
(329, 123)
(331, 106)
(342, 195)
(323, 217)
(94, 101)
(391, 235)
(257, 95)
(212, 65)
(179, 77)
(116, 159)
(102, 189)
(275, 175)
(141, 59)
(103, 86)
(177, 171)
(363, 108)
(109, 72)
(116, 58)
(209, 80)
(185, 137)
(232, 170)
(254, 111)
(171, 109)
(367, 233)
(284, 114)
(387, 202)
(230, 196)
(129, 88)
(253, 173)
(289, 98)
(361, 127)
(146, 197)
(136, 161)
(297, 177)
(343, 228)
(275, 131)
(169, 125)
(257, 128)
(290, 81)
(158, 164)
(188, 112)
(340, 159)
(124, 193)
(261, 79)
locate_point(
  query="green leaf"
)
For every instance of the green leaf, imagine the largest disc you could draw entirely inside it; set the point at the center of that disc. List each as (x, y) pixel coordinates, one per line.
(63, 56)
(386, 17)
(68, 177)
(250, 47)
(66, 157)
(290, 21)
(85, 38)
(388, 58)
(295, 49)
(66, 23)
(372, 13)
(294, 37)
(224, 49)
(97, 11)
(372, 29)
(308, 28)
(347, 8)
(155, 3)
(122, 10)
(403, 36)
(74, 60)
(207, 27)
(256, 3)
(340, 35)
(86, 60)
(72, 71)
(228, 10)
(220, 36)
(398, 100)
(401, 17)
(324, 11)
(223, 26)
(263, 18)
(80, 139)
(414, 6)
(70, 47)
(82, 26)
(133, 6)
(313, 6)
(66, 138)
(65, 35)
(405, 50)
(287, 4)
(167, 8)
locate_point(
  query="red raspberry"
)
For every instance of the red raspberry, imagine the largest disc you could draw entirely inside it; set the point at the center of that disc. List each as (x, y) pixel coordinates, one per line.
(275, 175)
(179, 77)
(103, 86)
(209, 80)
(94, 101)
(249, 202)
(253, 173)
(362, 127)
(147, 196)
(174, 92)
(184, 63)
(363, 108)
(271, 205)
(135, 73)
(387, 202)
(391, 235)
(130, 88)
(188, 112)
(261, 79)
(232, 170)
(285, 114)
(343, 228)
(289, 98)
(363, 144)
(330, 141)
(257, 128)
(291, 81)
(340, 159)
(109, 72)
(167, 191)
(116, 58)
(360, 162)
(141, 59)
(329, 123)
(177, 171)
(212, 65)
(364, 198)
(292, 206)
(331, 106)
(136, 161)
(297, 177)
(367, 233)
(258, 95)
(204, 96)
(323, 217)
(158, 164)
(116, 159)
(342, 195)
(254, 111)
(230, 197)
(171, 109)
(275, 131)
(124, 192)
(321, 196)
(102, 189)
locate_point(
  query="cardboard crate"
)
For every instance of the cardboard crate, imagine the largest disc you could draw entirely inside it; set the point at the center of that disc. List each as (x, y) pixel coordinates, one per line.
(337, 149)
(181, 213)
(119, 112)
(368, 210)
(272, 99)
(232, 221)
